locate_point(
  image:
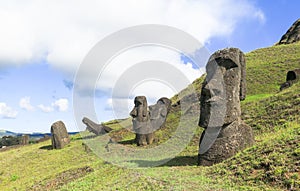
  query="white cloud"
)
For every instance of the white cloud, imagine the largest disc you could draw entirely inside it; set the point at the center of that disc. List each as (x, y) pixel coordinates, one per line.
(6, 111)
(64, 31)
(61, 104)
(25, 104)
(46, 109)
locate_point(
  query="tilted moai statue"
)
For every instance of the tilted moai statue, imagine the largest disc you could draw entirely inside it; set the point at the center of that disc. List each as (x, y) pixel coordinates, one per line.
(59, 135)
(159, 112)
(225, 85)
(147, 120)
(97, 129)
(141, 121)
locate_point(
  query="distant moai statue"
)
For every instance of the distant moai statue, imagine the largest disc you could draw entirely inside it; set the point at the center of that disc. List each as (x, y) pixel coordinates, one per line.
(146, 119)
(141, 121)
(24, 140)
(225, 85)
(158, 113)
(291, 77)
(59, 135)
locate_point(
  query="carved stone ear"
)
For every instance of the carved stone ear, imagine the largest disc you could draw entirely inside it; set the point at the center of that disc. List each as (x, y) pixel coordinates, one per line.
(243, 88)
(145, 107)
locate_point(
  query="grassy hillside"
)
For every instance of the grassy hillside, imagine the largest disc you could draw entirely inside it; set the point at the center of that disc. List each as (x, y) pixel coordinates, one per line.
(271, 164)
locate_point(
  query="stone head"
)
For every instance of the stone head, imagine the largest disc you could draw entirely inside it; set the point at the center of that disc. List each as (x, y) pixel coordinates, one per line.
(165, 101)
(140, 110)
(223, 88)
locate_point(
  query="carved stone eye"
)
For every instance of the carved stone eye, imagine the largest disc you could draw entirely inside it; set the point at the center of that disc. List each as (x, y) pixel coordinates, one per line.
(138, 103)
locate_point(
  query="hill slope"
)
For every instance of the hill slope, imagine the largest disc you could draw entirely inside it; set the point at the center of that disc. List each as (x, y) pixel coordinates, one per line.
(271, 164)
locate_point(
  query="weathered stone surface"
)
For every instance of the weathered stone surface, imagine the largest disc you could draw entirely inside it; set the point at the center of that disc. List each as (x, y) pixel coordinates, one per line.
(24, 140)
(147, 120)
(291, 77)
(292, 35)
(158, 113)
(225, 85)
(59, 135)
(95, 128)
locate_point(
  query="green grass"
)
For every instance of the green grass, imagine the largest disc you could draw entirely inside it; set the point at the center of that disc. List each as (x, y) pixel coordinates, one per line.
(257, 97)
(267, 67)
(271, 164)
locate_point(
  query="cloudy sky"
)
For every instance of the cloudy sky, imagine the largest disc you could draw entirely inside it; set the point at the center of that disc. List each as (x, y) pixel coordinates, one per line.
(43, 43)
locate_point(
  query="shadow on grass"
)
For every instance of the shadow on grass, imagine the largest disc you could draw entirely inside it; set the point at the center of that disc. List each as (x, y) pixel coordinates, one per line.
(47, 147)
(84, 137)
(127, 142)
(177, 161)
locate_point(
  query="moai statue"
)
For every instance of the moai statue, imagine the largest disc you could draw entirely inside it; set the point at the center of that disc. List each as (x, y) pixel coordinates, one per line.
(225, 85)
(141, 121)
(97, 129)
(59, 135)
(145, 121)
(159, 112)
(291, 77)
(24, 140)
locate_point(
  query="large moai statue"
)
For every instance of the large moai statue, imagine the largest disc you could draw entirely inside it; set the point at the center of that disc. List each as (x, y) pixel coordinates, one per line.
(225, 85)
(59, 135)
(141, 121)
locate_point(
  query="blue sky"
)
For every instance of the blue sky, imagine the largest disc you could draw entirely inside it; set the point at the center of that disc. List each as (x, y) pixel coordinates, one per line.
(42, 44)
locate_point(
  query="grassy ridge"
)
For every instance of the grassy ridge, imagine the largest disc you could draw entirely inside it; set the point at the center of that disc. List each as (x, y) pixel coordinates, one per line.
(271, 164)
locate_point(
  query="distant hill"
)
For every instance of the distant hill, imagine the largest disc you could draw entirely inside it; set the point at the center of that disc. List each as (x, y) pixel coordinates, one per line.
(7, 133)
(32, 135)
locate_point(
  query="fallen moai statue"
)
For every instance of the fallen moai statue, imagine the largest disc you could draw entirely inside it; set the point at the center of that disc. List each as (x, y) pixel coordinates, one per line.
(59, 135)
(225, 85)
(147, 120)
(291, 77)
(95, 128)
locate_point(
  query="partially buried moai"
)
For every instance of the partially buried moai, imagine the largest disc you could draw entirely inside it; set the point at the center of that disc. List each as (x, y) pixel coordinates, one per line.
(146, 120)
(141, 121)
(225, 85)
(59, 135)
(158, 112)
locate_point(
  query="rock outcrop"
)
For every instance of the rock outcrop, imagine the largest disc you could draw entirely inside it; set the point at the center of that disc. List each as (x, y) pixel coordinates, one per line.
(59, 135)
(292, 35)
(225, 85)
